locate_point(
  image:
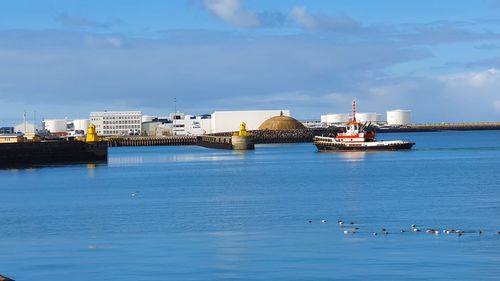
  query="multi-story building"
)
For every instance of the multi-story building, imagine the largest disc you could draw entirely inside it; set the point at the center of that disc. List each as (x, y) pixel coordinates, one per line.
(110, 123)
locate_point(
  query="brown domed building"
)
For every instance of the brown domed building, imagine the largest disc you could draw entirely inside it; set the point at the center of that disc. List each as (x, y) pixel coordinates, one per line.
(281, 123)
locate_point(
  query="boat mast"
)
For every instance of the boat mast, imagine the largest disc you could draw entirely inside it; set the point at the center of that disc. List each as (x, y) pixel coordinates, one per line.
(353, 111)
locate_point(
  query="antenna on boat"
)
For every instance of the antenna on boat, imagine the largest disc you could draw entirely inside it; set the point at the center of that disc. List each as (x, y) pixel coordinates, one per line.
(353, 111)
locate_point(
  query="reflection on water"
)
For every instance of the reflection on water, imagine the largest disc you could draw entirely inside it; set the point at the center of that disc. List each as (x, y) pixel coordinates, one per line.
(91, 170)
(353, 156)
(122, 160)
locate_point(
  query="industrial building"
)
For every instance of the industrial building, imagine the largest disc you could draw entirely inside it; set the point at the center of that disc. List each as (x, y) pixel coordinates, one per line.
(229, 121)
(335, 119)
(398, 117)
(181, 124)
(109, 123)
(177, 124)
(65, 127)
(80, 126)
(55, 126)
(371, 117)
(11, 138)
(342, 118)
(25, 128)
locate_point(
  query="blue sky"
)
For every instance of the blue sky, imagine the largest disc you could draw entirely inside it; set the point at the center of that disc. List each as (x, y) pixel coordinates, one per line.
(440, 59)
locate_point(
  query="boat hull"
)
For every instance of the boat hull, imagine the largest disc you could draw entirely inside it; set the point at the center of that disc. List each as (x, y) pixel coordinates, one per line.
(369, 146)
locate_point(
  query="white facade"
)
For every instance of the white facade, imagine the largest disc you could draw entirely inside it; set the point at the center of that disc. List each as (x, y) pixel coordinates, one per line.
(340, 118)
(368, 117)
(398, 117)
(25, 128)
(191, 125)
(110, 123)
(81, 125)
(197, 126)
(55, 125)
(229, 121)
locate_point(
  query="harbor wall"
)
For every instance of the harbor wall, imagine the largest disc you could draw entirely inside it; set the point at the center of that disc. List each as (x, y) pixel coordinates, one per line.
(52, 152)
(152, 141)
(226, 142)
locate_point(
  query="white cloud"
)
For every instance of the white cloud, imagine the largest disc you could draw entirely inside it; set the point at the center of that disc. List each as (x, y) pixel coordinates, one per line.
(232, 12)
(478, 79)
(93, 41)
(300, 15)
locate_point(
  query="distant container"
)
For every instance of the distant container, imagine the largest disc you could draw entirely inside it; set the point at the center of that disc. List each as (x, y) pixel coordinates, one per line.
(398, 117)
(81, 125)
(55, 125)
(339, 118)
(368, 117)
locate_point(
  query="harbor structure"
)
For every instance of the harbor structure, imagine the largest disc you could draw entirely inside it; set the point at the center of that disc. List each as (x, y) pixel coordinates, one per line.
(110, 123)
(240, 140)
(281, 123)
(224, 121)
(28, 152)
(11, 138)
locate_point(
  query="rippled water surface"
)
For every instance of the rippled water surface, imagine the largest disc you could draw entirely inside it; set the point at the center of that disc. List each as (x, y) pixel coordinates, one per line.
(191, 213)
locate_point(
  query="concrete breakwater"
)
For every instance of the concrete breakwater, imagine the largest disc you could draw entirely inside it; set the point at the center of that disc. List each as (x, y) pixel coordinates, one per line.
(51, 152)
(227, 142)
(152, 141)
(442, 127)
(286, 136)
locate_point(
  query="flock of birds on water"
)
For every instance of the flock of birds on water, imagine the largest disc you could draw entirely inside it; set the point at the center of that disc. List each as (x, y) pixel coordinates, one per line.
(352, 228)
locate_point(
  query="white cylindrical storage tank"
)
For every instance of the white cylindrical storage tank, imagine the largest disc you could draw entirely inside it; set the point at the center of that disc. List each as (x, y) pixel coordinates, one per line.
(55, 125)
(338, 118)
(367, 117)
(81, 125)
(147, 118)
(398, 117)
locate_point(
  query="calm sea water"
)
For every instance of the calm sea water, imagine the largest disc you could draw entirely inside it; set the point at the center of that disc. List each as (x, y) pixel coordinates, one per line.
(202, 214)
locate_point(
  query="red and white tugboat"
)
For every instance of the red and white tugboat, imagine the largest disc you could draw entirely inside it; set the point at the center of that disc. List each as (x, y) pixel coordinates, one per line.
(358, 137)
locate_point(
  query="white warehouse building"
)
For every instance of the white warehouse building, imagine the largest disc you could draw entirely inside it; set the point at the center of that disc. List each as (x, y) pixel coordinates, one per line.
(398, 117)
(229, 121)
(109, 123)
